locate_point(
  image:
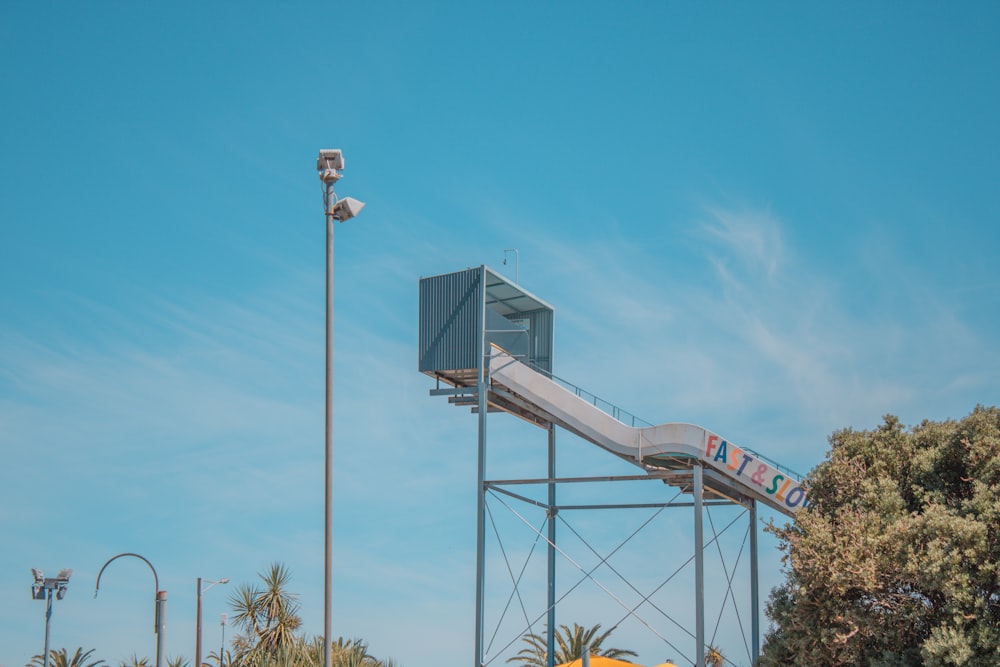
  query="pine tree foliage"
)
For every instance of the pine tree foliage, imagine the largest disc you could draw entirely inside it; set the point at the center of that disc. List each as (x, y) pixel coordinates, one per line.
(897, 560)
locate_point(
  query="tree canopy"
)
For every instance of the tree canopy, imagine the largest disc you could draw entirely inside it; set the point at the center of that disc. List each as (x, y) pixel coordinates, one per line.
(61, 658)
(896, 562)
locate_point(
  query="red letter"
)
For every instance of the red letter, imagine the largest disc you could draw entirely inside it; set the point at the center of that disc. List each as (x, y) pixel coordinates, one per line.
(711, 445)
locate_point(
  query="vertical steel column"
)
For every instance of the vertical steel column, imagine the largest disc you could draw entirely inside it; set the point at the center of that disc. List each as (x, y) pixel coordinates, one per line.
(328, 441)
(161, 624)
(222, 646)
(552, 512)
(48, 617)
(699, 565)
(754, 584)
(197, 628)
(482, 387)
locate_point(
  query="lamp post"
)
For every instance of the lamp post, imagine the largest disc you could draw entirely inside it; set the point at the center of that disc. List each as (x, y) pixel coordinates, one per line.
(43, 589)
(197, 629)
(160, 598)
(222, 647)
(329, 165)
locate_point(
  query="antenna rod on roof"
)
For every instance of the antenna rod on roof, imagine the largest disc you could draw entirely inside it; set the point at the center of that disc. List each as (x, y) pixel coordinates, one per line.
(516, 261)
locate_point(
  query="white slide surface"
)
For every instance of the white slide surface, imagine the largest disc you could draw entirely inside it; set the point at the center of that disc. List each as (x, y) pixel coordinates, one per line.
(743, 469)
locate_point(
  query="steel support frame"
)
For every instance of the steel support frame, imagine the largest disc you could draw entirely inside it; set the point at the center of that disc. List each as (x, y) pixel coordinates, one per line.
(551, 513)
(699, 566)
(698, 503)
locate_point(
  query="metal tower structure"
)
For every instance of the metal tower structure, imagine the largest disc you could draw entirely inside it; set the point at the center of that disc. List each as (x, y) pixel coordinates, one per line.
(488, 344)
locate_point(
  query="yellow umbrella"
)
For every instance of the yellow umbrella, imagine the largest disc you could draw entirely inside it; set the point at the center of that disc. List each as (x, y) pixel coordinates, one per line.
(666, 664)
(599, 661)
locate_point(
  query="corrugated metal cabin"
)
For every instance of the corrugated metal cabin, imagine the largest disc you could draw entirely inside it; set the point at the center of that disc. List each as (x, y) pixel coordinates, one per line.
(463, 313)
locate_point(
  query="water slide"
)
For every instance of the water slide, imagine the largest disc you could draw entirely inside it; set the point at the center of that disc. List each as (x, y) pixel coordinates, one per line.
(669, 450)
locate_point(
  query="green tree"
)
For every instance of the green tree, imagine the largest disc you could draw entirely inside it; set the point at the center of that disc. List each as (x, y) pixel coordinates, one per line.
(266, 616)
(896, 562)
(352, 653)
(569, 646)
(714, 657)
(213, 659)
(135, 661)
(60, 658)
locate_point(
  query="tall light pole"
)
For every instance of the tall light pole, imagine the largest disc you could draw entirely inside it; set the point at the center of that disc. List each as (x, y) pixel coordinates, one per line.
(329, 166)
(43, 589)
(222, 647)
(197, 629)
(160, 612)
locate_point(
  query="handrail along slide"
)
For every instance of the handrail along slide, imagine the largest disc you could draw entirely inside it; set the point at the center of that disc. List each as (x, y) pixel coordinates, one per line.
(667, 450)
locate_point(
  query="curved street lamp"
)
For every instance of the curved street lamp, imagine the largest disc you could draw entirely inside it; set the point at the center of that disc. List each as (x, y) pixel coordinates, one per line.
(160, 618)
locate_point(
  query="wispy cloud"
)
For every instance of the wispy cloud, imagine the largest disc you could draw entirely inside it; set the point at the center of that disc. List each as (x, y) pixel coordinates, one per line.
(201, 413)
(749, 236)
(739, 331)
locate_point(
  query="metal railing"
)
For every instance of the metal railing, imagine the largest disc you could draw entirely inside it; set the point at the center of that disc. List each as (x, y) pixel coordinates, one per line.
(630, 419)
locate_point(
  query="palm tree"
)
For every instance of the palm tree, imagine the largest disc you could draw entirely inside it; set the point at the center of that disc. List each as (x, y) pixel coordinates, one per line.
(714, 657)
(136, 661)
(213, 659)
(343, 653)
(59, 658)
(267, 617)
(570, 646)
(352, 653)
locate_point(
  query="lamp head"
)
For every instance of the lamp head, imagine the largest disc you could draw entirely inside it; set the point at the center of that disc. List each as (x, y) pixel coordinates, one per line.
(346, 208)
(329, 164)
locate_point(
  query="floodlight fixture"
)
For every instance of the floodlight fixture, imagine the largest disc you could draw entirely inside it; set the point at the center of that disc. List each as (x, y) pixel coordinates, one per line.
(329, 164)
(346, 208)
(47, 588)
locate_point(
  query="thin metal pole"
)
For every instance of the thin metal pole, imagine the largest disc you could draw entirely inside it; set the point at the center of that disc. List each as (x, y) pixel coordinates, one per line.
(754, 584)
(197, 630)
(161, 625)
(328, 485)
(222, 646)
(48, 615)
(517, 261)
(482, 388)
(552, 512)
(699, 567)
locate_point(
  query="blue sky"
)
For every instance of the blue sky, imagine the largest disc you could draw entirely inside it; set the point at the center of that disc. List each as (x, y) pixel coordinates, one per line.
(771, 219)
